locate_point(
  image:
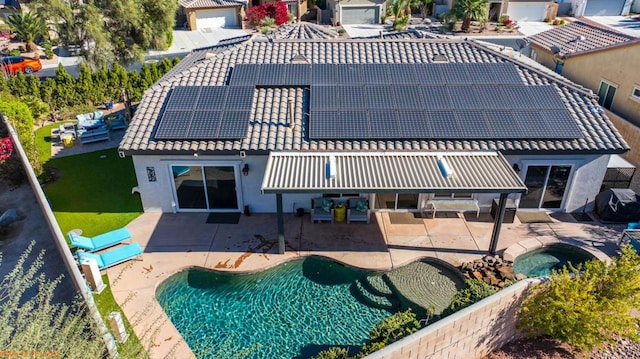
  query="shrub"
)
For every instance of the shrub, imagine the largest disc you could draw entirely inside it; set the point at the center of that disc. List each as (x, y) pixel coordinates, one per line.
(390, 330)
(586, 305)
(268, 22)
(21, 119)
(276, 10)
(333, 353)
(473, 291)
(48, 50)
(14, 52)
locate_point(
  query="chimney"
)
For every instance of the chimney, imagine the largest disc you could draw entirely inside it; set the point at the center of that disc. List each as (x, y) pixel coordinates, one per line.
(290, 107)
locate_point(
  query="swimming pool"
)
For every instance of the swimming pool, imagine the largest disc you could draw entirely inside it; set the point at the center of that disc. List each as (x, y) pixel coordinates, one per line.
(541, 262)
(294, 310)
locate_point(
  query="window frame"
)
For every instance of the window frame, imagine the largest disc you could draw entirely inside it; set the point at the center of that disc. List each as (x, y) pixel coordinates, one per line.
(636, 88)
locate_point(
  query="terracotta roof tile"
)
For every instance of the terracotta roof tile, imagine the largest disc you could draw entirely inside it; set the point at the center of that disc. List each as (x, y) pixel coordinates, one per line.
(266, 132)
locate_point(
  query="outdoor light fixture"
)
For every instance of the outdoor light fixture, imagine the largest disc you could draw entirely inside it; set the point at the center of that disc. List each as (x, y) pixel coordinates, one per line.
(245, 169)
(516, 168)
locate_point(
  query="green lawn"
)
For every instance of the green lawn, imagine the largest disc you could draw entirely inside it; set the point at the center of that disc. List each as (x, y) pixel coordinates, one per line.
(43, 142)
(93, 192)
(132, 348)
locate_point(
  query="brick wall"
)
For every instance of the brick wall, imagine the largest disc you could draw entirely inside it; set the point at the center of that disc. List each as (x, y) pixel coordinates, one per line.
(468, 334)
(631, 134)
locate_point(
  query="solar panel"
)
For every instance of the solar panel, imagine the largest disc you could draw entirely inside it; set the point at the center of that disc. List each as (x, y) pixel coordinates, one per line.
(413, 124)
(505, 73)
(296, 75)
(271, 75)
(376, 74)
(325, 125)
(533, 125)
(173, 125)
(443, 124)
(562, 123)
(432, 74)
(355, 124)
(410, 97)
(504, 124)
(380, 97)
(403, 73)
(493, 98)
(545, 97)
(323, 74)
(324, 98)
(352, 97)
(349, 74)
(437, 97)
(239, 98)
(211, 98)
(204, 125)
(465, 97)
(519, 97)
(234, 124)
(244, 75)
(473, 124)
(384, 124)
(182, 98)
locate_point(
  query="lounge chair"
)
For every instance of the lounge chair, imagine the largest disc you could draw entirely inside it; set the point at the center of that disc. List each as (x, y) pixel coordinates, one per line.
(99, 242)
(358, 210)
(321, 210)
(113, 256)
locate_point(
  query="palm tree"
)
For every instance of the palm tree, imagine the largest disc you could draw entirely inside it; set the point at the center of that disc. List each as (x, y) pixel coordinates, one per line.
(27, 28)
(422, 5)
(398, 8)
(468, 10)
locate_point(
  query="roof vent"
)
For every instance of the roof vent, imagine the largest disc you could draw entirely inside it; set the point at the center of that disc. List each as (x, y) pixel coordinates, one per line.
(299, 59)
(331, 167)
(440, 58)
(444, 168)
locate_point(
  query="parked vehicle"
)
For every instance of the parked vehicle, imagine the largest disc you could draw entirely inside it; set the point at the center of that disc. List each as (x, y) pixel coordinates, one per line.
(15, 64)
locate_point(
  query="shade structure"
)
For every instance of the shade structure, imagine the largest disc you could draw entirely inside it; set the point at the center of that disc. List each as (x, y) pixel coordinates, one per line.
(398, 172)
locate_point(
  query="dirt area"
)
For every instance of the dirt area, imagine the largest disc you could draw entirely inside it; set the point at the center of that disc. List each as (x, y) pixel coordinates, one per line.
(546, 348)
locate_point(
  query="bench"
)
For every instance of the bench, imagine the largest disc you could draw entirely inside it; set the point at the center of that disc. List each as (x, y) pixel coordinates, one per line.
(94, 136)
(453, 205)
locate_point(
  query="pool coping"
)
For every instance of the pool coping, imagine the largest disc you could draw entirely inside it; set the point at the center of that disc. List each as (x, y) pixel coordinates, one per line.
(528, 245)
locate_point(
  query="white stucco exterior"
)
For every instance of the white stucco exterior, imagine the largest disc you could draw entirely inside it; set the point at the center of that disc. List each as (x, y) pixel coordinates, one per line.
(587, 173)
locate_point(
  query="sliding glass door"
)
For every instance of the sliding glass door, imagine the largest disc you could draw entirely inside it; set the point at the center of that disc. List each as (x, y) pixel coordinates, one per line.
(397, 201)
(546, 186)
(210, 188)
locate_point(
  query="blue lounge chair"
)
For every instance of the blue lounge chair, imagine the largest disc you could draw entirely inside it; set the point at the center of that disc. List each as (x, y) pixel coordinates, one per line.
(99, 242)
(113, 256)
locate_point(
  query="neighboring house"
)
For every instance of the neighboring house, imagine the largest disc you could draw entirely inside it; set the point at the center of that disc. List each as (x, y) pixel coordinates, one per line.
(366, 117)
(212, 14)
(598, 58)
(526, 10)
(599, 7)
(355, 12)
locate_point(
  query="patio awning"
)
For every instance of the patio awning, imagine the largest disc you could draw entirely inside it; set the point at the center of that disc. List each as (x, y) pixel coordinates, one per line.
(397, 172)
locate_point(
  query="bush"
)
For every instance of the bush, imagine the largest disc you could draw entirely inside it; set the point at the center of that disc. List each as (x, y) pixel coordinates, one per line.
(473, 291)
(586, 305)
(390, 330)
(277, 11)
(169, 36)
(14, 52)
(48, 50)
(333, 353)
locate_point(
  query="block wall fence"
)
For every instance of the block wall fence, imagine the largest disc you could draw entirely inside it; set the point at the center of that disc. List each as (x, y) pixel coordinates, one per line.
(631, 134)
(468, 334)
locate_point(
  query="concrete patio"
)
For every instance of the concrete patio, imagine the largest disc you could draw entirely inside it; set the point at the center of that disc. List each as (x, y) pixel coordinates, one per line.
(174, 242)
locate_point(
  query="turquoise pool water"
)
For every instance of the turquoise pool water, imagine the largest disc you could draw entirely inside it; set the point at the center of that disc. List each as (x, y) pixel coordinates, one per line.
(291, 311)
(541, 262)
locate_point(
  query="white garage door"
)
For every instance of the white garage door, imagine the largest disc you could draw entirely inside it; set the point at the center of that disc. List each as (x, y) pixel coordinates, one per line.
(353, 15)
(216, 18)
(604, 7)
(527, 11)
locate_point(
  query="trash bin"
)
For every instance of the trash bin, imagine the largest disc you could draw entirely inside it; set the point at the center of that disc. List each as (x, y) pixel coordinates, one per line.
(509, 210)
(67, 141)
(340, 213)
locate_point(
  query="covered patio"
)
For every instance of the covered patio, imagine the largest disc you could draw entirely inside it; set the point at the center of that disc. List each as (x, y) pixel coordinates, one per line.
(391, 172)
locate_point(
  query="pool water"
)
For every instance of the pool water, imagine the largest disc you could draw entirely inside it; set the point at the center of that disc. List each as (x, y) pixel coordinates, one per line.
(542, 261)
(293, 310)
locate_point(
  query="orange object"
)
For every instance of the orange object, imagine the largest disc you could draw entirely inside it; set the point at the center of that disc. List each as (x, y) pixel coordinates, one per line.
(15, 64)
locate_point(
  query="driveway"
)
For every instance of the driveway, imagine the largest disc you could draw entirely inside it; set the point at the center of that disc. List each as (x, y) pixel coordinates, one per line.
(529, 28)
(185, 40)
(624, 24)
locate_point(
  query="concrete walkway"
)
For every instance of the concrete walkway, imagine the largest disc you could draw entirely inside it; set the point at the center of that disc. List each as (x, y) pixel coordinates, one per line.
(174, 242)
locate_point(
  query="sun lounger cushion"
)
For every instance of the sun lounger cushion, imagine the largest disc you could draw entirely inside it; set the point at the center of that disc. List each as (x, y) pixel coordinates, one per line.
(101, 241)
(112, 257)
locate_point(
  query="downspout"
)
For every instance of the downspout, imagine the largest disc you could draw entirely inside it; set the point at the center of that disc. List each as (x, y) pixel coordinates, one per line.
(61, 243)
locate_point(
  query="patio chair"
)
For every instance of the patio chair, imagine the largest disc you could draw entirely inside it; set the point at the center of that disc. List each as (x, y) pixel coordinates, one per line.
(112, 257)
(358, 210)
(99, 242)
(321, 209)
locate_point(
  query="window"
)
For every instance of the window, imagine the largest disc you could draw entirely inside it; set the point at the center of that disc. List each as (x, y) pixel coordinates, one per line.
(340, 195)
(636, 93)
(460, 195)
(605, 94)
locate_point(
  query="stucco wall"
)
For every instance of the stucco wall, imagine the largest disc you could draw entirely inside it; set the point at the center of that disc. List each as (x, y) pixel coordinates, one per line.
(616, 66)
(468, 334)
(631, 134)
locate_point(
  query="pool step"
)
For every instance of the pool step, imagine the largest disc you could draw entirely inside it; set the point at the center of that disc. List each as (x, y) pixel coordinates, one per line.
(377, 285)
(374, 300)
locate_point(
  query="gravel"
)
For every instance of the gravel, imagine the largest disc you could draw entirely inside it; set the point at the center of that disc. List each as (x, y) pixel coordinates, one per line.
(546, 348)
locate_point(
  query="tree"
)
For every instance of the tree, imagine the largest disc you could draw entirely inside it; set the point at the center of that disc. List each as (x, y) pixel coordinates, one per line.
(423, 6)
(65, 88)
(27, 27)
(110, 31)
(39, 326)
(586, 305)
(467, 10)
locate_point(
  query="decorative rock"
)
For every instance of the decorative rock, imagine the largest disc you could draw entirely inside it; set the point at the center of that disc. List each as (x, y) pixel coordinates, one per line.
(520, 276)
(506, 272)
(477, 275)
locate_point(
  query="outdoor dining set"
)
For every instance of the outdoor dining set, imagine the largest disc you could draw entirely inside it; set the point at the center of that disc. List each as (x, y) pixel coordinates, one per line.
(90, 127)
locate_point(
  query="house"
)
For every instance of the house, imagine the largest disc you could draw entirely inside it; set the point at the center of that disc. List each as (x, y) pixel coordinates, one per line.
(595, 57)
(599, 7)
(401, 122)
(356, 12)
(212, 14)
(525, 10)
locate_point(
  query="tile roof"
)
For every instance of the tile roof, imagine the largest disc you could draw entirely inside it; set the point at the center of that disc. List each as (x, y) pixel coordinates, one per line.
(207, 4)
(301, 31)
(267, 131)
(579, 38)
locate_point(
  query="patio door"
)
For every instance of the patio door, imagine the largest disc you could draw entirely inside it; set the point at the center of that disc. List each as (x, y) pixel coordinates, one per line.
(397, 201)
(209, 188)
(546, 186)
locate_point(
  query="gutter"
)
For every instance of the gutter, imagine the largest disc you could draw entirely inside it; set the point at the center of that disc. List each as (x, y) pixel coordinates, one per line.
(61, 243)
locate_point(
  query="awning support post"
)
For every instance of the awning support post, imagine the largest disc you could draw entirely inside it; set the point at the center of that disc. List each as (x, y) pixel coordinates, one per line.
(281, 246)
(497, 223)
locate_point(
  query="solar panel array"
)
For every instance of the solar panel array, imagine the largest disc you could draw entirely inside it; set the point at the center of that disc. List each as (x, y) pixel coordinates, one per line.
(278, 75)
(439, 112)
(206, 112)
